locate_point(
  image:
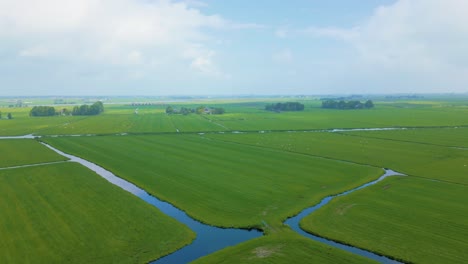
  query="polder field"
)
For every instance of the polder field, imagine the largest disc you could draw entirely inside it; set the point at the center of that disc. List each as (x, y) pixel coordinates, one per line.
(62, 212)
(247, 168)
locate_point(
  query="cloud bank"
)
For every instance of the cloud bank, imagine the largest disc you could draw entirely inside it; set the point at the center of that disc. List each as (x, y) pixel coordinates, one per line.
(414, 45)
(175, 47)
(117, 32)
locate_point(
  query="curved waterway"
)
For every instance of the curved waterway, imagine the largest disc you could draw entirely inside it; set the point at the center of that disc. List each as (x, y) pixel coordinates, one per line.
(209, 238)
(293, 222)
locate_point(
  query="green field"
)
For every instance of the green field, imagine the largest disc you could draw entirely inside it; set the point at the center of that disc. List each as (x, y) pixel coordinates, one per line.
(450, 137)
(17, 152)
(282, 247)
(247, 115)
(65, 213)
(413, 219)
(281, 165)
(233, 185)
(437, 162)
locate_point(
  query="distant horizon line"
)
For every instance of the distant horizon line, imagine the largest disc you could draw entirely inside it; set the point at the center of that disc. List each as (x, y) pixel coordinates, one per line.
(241, 95)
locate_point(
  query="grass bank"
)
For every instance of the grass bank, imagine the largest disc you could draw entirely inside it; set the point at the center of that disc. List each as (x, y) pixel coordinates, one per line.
(65, 213)
(413, 219)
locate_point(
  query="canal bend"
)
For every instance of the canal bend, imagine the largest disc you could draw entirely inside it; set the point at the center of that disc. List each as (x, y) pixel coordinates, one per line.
(210, 238)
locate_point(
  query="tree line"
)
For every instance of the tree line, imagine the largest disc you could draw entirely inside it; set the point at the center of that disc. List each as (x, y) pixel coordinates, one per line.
(199, 110)
(42, 111)
(353, 104)
(288, 106)
(93, 109)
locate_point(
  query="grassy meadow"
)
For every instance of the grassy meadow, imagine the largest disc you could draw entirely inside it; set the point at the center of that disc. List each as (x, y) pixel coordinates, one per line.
(282, 247)
(424, 160)
(413, 219)
(233, 185)
(66, 213)
(18, 152)
(449, 137)
(241, 115)
(279, 166)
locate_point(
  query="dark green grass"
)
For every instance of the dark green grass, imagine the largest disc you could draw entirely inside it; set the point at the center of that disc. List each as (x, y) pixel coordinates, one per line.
(64, 213)
(437, 162)
(17, 152)
(413, 219)
(223, 184)
(282, 247)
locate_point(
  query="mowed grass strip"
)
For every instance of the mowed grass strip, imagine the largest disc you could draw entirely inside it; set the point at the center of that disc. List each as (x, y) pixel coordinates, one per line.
(64, 213)
(437, 162)
(194, 123)
(283, 247)
(416, 220)
(223, 184)
(16, 152)
(451, 137)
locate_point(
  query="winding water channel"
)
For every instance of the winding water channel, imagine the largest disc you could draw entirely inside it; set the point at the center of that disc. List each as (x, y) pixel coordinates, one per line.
(293, 222)
(210, 239)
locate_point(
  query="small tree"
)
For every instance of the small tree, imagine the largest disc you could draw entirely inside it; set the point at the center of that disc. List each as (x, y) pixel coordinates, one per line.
(9, 116)
(169, 110)
(369, 104)
(217, 111)
(200, 110)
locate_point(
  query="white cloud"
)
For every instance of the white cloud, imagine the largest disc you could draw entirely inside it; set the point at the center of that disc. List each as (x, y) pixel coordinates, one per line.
(115, 32)
(203, 64)
(416, 33)
(421, 41)
(195, 3)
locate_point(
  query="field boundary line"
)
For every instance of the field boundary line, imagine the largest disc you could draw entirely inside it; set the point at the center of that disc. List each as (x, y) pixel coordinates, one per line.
(398, 140)
(33, 165)
(297, 153)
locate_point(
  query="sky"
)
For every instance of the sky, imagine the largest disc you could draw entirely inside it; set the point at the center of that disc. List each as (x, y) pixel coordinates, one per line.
(241, 47)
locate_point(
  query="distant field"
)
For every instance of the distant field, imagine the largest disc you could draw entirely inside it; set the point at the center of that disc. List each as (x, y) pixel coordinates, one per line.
(454, 137)
(437, 162)
(64, 213)
(413, 219)
(282, 247)
(240, 115)
(224, 184)
(194, 123)
(17, 152)
(231, 179)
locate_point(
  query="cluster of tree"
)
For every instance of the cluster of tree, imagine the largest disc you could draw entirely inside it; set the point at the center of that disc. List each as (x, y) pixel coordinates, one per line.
(199, 110)
(288, 106)
(353, 104)
(94, 109)
(42, 111)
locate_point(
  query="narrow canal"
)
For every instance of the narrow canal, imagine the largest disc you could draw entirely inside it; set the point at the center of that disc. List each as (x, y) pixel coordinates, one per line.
(211, 239)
